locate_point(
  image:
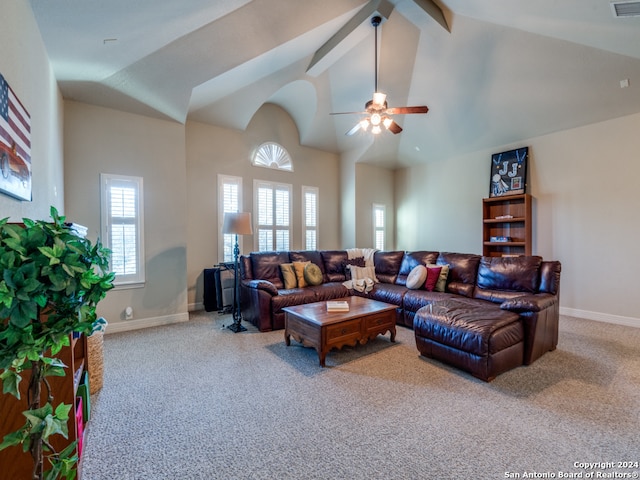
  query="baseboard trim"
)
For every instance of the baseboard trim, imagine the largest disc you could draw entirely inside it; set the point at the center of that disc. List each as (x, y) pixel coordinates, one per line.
(194, 307)
(146, 323)
(601, 317)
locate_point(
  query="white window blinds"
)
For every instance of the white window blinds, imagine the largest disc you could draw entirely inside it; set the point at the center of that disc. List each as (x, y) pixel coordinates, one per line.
(230, 200)
(273, 207)
(122, 226)
(310, 217)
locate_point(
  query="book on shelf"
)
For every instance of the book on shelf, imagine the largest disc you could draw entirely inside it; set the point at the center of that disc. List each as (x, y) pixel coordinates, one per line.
(500, 239)
(337, 306)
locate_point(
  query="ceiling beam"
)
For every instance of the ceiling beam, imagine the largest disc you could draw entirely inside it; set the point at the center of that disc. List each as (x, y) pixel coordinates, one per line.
(434, 11)
(382, 7)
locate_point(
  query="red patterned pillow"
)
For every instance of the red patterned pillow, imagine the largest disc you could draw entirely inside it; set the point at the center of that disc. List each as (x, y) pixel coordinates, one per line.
(433, 273)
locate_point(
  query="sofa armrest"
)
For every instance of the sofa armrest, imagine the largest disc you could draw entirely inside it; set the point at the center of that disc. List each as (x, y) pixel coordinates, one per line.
(530, 303)
(261, 285)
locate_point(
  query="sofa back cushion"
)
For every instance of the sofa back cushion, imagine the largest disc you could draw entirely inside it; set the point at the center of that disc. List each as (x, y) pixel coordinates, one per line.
(550, 277)
(334, 262)
(410, 260)
(312, 256)
(266, 266)
(500, 277)
(463, 269)
(387, 265)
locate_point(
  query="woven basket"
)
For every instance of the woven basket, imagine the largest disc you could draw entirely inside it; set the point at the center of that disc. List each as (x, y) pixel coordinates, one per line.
(95, 361)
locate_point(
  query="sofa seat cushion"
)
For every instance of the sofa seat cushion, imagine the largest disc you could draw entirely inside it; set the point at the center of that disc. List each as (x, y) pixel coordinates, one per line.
(329, 291)
(414, 300)
(469, 325)
(292, 297)
(385, 292)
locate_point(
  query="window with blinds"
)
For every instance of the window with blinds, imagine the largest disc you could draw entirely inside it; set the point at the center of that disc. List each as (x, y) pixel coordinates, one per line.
(378, 226)
(273, 215)
(272, 155)
(310, 217)
(229, 200)
(122, 226)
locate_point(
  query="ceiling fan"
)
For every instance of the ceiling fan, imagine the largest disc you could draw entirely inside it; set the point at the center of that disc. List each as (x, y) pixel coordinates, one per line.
(376, 109)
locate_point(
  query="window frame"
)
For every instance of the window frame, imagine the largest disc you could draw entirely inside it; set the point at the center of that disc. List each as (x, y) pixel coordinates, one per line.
(306, 228)
(222, 181)
(378, 207)
(257, 227)
(278, 157)
(107, 182)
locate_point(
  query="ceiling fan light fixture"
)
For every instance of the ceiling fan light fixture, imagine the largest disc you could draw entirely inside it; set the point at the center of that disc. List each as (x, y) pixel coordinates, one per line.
(376, 129)
(376, 119)
(364, 124)
(387, 122)
(379, 99)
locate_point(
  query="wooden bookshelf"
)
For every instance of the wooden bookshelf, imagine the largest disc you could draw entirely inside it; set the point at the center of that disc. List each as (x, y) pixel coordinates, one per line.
(16, 463)
(507, 217)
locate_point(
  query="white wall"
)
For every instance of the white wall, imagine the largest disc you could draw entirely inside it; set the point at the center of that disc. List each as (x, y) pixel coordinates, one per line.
(25, 66)
(101, 140)
(214, 150)
(585, 185)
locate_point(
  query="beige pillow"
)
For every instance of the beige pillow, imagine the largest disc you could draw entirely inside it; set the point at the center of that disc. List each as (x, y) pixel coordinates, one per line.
(442, 280)
(417, 277)
(289, 275)
(299, 268)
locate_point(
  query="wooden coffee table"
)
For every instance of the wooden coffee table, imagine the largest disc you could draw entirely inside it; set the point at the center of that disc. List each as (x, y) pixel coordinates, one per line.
(313, 326)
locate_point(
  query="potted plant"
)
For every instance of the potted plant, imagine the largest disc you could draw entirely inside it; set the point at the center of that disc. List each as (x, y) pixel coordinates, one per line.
(52, 280)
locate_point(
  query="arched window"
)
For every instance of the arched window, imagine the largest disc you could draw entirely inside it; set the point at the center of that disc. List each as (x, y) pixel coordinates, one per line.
(272, 155)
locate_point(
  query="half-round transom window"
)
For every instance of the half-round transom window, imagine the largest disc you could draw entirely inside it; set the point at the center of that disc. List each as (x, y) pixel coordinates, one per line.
(272, 155)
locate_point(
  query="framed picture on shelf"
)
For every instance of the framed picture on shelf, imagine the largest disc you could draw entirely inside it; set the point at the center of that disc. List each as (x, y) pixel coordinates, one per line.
(509, 172)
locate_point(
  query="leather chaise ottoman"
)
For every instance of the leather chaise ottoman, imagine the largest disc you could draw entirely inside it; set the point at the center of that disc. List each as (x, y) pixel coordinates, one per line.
(470, 334)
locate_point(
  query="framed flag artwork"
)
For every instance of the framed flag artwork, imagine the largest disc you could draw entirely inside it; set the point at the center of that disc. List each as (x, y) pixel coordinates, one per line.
(509, 172)
(15, 145)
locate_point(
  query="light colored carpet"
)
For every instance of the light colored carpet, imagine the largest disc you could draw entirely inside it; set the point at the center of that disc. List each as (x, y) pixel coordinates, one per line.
(197, 401)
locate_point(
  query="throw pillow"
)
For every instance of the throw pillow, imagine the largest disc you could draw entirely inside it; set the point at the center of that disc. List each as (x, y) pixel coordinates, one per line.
(416, 277)
(299, 268)
(433, 275)
(358, 273)
(288, 275)
(312, 274)
(442, 279)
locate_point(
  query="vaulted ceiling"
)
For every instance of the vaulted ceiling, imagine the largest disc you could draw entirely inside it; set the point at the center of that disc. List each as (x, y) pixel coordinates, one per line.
(492, 73)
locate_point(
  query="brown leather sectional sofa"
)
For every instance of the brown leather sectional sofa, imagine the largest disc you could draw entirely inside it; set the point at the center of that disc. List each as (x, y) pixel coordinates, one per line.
(496, 312)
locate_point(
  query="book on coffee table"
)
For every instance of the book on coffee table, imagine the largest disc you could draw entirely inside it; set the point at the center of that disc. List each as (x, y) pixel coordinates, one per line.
(337, 306)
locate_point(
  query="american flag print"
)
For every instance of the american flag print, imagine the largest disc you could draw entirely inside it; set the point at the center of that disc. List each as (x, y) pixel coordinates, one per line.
(15, 144)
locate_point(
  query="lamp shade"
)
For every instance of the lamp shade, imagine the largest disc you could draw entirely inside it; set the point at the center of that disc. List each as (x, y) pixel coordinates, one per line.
(238, 223)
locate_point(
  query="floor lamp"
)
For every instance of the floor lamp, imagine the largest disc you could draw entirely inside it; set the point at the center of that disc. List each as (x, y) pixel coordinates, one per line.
(237, 223)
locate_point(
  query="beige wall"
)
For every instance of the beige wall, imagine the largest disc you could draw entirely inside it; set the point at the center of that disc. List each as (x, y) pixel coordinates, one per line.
(101, 140)
(585, 185)
(212, 151)
(374, 185)
(25, 66)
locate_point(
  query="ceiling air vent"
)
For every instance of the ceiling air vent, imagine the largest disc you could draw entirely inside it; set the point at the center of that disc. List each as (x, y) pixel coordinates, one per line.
(626, 9)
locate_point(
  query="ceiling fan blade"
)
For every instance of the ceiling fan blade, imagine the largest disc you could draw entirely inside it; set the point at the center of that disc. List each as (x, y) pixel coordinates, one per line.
(394, 128)
(348, 113)
(405, 110)
(353, 130)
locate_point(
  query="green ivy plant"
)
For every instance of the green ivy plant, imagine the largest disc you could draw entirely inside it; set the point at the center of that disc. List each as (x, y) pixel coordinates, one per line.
(52, 281)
